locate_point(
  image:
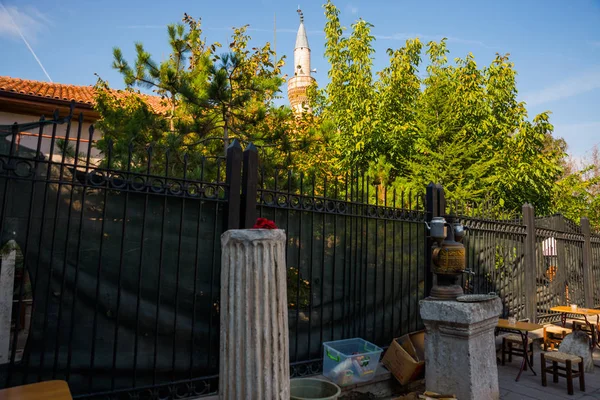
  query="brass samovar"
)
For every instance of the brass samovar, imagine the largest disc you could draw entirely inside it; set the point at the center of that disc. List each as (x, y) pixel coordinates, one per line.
(448, 257)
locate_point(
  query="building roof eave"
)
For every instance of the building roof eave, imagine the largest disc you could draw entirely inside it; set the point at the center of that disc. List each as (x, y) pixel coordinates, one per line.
(19, 103)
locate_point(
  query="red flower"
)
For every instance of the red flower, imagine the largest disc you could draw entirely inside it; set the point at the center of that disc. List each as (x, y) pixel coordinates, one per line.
(263, 223)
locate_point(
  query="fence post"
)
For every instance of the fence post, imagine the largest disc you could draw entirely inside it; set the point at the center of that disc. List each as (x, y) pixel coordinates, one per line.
(249, 187)
(233, 179)
(530, 263)
(562, 278)
(441, 200)
(588, 277)
(435, 207)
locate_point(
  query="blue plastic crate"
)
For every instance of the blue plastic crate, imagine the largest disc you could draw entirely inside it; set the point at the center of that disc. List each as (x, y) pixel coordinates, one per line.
(350, 361)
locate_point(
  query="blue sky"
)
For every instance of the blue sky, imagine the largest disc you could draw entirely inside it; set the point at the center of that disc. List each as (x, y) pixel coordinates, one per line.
(554, 44)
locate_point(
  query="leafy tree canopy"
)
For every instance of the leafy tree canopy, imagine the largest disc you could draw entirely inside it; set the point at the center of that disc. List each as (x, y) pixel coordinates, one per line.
(425, 119)
(421, 119)
(208, 98)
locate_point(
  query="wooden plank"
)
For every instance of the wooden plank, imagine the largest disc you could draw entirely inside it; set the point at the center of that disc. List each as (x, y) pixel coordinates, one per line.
(518, 326)
(578, 311)
(50, 390)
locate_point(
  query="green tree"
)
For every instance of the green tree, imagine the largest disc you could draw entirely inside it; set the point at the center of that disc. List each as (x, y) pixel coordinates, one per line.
(460, 125)
(577, 193)
(422, 118)
(207, 99)
(347, 102)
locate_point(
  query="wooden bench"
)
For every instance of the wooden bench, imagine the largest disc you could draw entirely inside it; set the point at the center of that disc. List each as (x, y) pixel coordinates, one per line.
(563, 358)
(49, 390)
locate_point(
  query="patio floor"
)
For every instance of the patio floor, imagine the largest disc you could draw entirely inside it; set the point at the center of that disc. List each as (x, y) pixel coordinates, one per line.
(530, 386)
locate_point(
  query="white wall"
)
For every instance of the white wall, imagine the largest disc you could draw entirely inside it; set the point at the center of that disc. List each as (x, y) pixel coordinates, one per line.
(302, 59)
(31, 142)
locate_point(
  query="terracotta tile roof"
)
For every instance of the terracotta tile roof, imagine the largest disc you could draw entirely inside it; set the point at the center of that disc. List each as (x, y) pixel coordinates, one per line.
(62, 92)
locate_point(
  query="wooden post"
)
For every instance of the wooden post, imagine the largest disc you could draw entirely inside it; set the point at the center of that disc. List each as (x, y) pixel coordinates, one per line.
(430, 210)
(233, 179)
(249, 187)
(530, 263)
(435, 207)
(562, 280)
(441, 200)
(588, 277)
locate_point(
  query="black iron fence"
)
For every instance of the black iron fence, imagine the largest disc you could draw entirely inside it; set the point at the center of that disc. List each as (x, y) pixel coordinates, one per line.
(118, 291)
(559, 270)
(118, 270)
(561, 266)
(119, 281)
(355, 257)
(595, 251)
(495, 257)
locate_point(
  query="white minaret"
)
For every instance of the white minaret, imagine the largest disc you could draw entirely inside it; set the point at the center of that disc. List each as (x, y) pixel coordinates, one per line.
(301, 80)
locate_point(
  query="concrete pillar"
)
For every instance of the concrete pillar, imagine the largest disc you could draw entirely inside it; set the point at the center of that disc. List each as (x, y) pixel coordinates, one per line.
(460, 352)
(7, 281)
(254, 353)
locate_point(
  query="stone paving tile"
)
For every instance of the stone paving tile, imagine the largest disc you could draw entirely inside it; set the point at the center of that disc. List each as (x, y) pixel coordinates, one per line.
(592, 396)
(515, 396)
(530, 386)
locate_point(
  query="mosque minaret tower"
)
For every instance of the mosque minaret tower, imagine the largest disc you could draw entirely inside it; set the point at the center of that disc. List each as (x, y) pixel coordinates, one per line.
(302, 78)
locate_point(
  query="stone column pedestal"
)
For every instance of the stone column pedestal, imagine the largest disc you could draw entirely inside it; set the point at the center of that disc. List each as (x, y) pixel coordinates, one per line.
(254, 353)
(7, 283)
(460, 351)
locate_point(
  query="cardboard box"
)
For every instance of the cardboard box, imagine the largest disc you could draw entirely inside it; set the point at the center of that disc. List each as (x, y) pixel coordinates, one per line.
(405, 358)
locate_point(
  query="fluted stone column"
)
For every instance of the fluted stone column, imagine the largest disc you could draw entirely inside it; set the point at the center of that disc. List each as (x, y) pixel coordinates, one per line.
(460, 350)
(7, 282)
(254, 353)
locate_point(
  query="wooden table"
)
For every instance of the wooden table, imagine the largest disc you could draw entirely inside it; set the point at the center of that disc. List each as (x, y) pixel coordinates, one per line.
(585, 312)
(523, 329)
(49, 390)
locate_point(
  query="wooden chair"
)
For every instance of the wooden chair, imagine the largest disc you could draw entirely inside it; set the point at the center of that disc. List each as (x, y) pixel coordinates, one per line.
(557, 357)
(553, 335)
(513, 346)
(581, 325)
